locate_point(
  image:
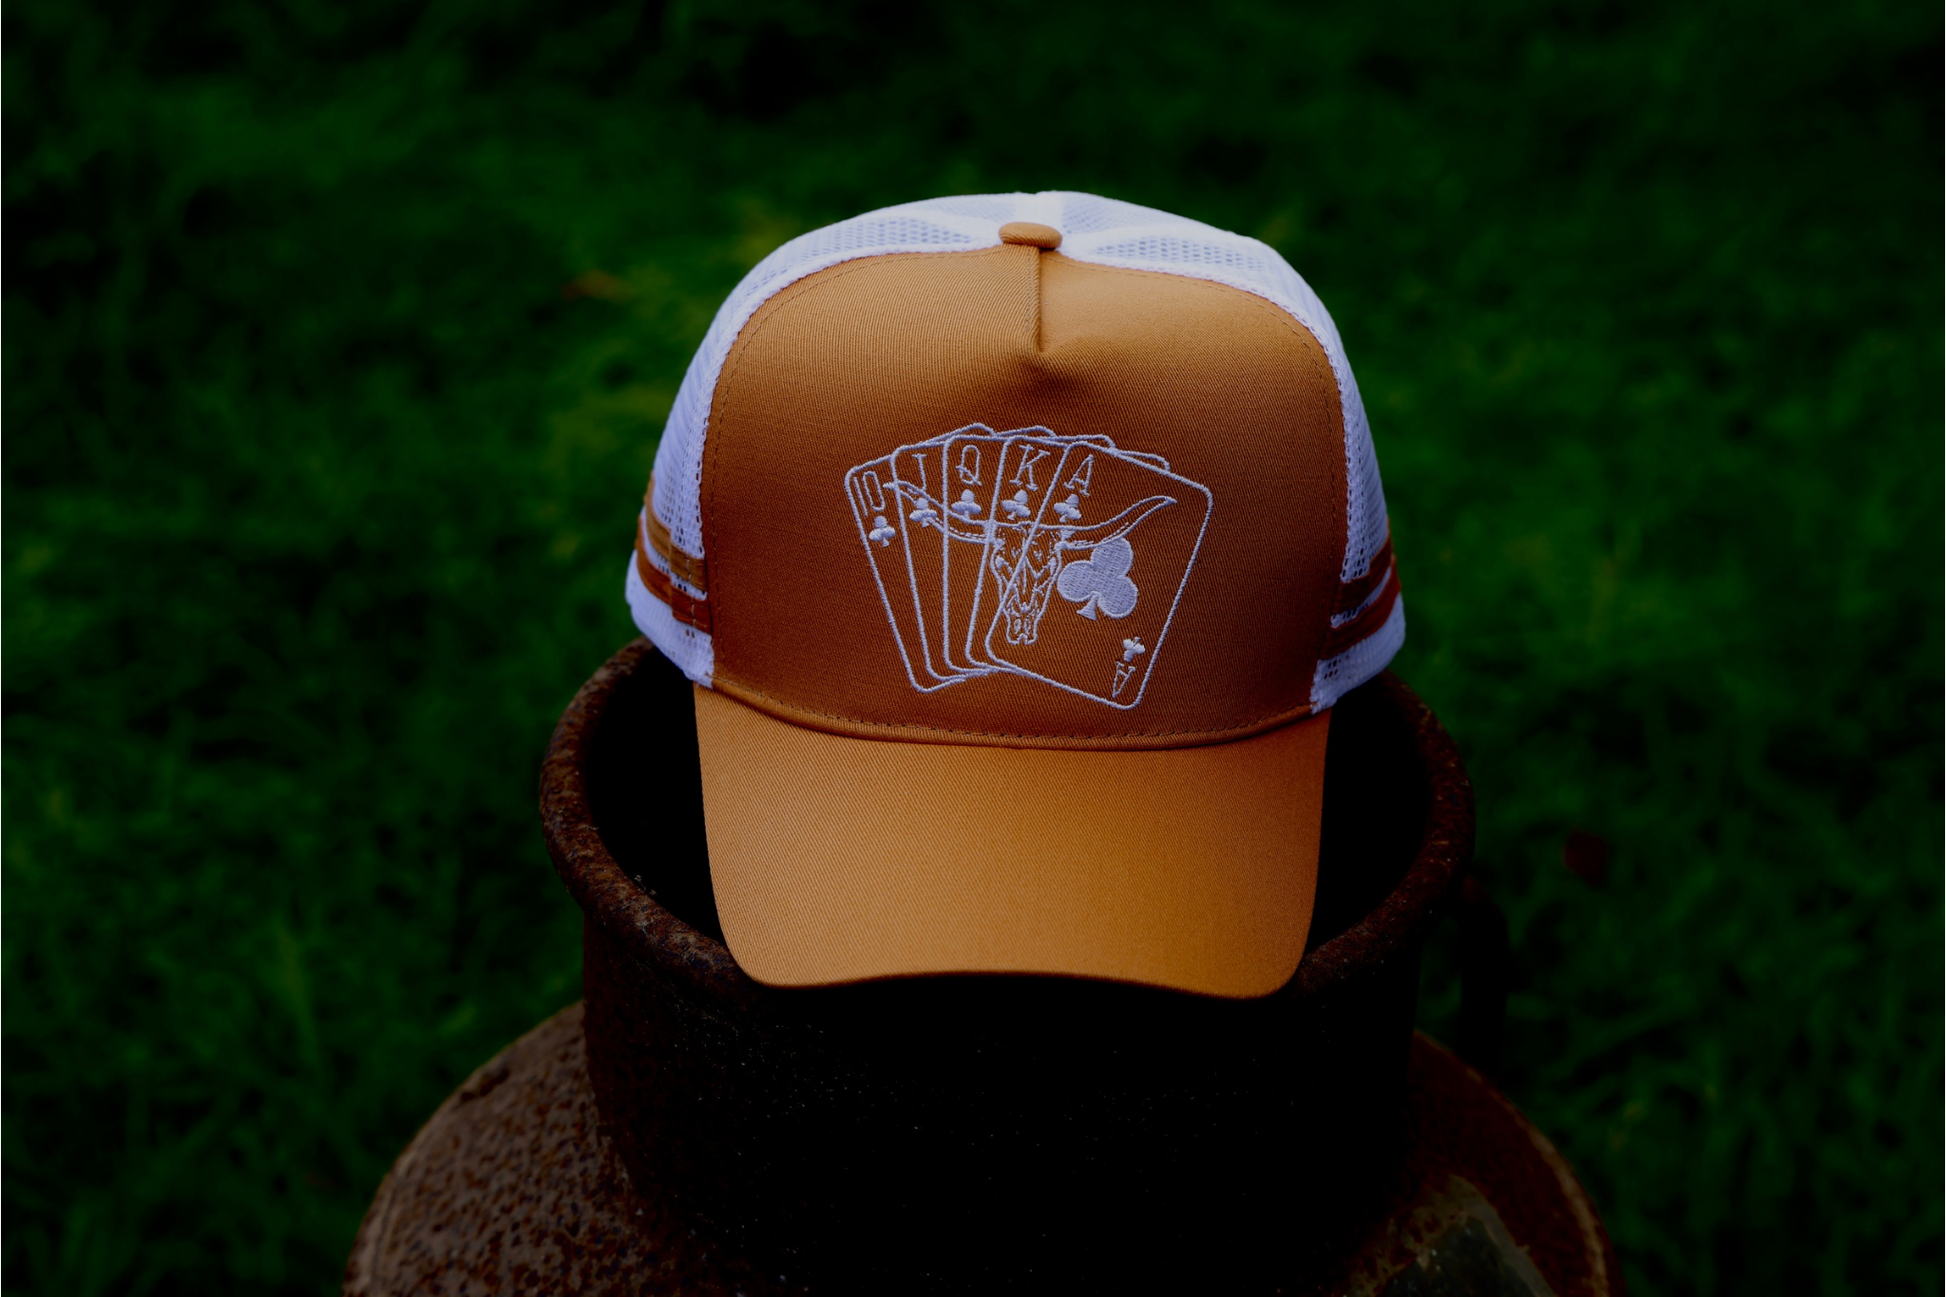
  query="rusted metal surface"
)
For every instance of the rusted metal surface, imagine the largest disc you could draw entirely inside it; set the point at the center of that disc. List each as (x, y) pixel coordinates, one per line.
(509, 1189)
(998, 1132)
(1477, 1167)
(512, 1189)
(611, 900)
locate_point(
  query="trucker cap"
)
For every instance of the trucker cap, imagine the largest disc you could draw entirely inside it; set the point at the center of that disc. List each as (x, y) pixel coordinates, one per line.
(1017, 546)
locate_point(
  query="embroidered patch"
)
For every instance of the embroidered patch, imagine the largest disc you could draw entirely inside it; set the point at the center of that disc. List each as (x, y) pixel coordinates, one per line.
(1025, 552)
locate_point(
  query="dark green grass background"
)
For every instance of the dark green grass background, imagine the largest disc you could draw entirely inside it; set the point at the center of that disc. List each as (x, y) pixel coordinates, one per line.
(319, 491)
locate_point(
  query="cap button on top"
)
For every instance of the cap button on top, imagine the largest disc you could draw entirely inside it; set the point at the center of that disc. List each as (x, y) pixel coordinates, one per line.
(1030, 234)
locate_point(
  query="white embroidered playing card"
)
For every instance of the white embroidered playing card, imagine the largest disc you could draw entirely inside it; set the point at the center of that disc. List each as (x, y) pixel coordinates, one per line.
(969, 459)
(880, 505)
(1093, 584)
(916, 469)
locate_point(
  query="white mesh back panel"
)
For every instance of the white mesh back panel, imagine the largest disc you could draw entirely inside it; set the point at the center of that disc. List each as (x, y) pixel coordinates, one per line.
(1098, 230)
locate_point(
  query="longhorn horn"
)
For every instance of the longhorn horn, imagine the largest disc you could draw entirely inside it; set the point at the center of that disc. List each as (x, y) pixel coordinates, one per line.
(1121, 524)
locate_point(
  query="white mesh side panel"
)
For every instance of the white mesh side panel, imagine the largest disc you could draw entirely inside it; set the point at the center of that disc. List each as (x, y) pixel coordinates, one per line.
(1099, 230)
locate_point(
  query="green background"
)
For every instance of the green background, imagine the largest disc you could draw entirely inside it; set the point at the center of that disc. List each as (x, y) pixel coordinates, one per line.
(319, 488)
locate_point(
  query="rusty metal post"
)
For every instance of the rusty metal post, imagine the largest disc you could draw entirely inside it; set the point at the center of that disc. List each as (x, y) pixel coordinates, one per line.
(1002, 1125)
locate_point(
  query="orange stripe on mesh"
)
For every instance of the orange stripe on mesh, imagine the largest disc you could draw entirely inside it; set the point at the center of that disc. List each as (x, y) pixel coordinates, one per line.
(1371, 616)
(1353, 593)
(687, 566)
(685, 608)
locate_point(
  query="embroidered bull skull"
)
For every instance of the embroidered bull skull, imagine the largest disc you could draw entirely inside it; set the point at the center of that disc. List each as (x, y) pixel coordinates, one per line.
(1027, 560)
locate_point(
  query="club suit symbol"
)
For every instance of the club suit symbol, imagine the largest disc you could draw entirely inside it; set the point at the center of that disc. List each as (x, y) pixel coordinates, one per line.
(1100, 582)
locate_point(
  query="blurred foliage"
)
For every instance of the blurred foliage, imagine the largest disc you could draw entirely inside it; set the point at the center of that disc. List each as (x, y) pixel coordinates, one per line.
(319, 486)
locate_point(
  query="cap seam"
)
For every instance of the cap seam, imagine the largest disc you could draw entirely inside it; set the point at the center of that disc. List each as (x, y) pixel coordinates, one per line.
(1231, 733)
(1034, 305)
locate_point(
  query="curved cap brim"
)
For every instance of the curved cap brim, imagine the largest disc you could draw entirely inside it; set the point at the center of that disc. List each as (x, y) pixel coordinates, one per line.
(838, 859)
